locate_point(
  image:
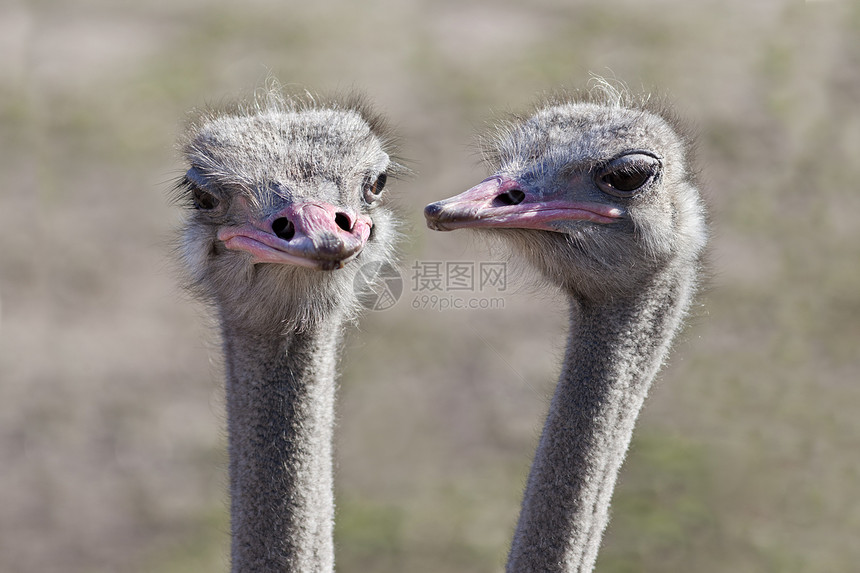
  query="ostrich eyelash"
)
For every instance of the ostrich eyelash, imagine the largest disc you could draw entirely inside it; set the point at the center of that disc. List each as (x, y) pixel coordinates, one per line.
(195, 197)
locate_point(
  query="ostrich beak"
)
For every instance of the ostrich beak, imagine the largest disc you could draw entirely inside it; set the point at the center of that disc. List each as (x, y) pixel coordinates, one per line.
(500, 202)
(312, 234)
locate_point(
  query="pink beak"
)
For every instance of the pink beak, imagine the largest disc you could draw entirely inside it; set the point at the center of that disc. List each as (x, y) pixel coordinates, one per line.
(500, 202)
(312, 234)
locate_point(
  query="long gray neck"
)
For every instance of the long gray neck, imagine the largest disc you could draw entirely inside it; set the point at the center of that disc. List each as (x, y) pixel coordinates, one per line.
(613, 354)
(280, 409)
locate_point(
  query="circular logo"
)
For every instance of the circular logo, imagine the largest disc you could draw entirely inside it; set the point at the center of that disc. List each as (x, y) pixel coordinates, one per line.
(378, 285)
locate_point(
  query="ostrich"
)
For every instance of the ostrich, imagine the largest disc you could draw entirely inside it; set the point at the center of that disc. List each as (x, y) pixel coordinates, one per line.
(596, 194)
(285, 204)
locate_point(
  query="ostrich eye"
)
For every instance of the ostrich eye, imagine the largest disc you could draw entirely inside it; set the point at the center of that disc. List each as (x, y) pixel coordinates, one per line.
(203, 200)
(626, 175)
(626, 179)
(373, 188)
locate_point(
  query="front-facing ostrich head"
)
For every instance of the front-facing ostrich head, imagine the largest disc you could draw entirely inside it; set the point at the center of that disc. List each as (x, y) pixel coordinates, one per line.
(596, 194)
(285, 203)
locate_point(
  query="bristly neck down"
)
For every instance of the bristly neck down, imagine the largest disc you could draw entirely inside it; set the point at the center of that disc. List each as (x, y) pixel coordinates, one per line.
(280, 409)
(615, 349)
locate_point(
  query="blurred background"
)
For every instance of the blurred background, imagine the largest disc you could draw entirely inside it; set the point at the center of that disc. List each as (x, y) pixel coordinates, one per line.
(747, 454)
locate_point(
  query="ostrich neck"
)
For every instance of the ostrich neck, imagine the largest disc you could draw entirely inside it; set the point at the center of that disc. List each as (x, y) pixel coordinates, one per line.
(280, 410)
(613, 354)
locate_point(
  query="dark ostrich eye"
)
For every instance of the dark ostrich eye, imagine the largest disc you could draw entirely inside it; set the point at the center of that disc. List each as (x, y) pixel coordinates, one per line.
(203, 200)
(626, 175)
(373, 188)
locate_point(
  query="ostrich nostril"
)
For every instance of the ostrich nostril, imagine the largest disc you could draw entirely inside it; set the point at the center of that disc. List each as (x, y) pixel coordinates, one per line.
(283, 228)
(511, 197)
(343, 221)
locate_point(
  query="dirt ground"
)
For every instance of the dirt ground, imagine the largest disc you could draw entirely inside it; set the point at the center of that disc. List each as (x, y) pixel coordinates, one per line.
(111, 408)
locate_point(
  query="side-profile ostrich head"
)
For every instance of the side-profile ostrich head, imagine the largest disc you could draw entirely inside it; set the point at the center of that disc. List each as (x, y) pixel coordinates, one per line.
(286, 201)
(597, 194)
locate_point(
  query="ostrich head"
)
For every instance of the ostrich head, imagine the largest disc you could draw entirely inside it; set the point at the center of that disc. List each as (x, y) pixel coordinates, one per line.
(597, 195)
(285, 203)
